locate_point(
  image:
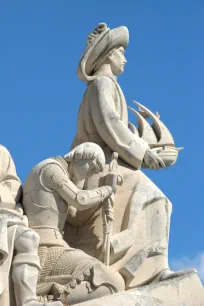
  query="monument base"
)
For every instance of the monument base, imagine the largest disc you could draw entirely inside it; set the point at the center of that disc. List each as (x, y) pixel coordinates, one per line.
(180, 291)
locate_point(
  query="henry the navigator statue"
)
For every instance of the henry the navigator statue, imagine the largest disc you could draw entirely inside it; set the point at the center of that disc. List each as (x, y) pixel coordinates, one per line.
(139, 243)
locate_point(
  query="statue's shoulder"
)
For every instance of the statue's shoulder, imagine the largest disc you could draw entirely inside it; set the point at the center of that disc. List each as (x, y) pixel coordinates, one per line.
(45, 163)
(4, 151)
(51, 165)
(45, 168)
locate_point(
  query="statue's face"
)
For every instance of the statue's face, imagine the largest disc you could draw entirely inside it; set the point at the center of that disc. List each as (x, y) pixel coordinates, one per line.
(117, 60)
(85, 168)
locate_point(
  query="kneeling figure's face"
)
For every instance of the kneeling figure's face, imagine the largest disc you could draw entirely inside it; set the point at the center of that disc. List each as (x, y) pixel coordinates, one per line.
(85, 168)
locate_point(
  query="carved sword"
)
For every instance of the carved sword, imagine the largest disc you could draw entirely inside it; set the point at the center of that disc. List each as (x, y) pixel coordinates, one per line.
(108, 217)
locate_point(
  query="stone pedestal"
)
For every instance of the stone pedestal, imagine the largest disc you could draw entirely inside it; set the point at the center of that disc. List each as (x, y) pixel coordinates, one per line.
(181, 291)
(124, 299)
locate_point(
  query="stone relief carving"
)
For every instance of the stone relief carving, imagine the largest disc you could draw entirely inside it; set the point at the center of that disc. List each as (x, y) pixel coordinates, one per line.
(94, 224)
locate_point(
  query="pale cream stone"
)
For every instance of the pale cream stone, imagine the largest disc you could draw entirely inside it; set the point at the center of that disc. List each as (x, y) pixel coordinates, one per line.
(141, 211)
(113, 211)
(15, 235)
(51, 188)
(124, 298)
(184, 290)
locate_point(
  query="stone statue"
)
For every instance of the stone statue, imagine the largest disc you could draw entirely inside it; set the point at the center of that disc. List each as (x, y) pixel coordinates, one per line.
(52, 188)
(15, 235)
(95, 224)
(139, 244)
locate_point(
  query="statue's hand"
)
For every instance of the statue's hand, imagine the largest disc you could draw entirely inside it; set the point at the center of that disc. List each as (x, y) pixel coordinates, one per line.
(113, 179)
(152, 160)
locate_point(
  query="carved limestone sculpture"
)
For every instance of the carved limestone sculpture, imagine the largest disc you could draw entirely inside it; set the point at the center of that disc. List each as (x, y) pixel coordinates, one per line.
(99, 227)
(51, 189)
(15, 235)
(139, 244)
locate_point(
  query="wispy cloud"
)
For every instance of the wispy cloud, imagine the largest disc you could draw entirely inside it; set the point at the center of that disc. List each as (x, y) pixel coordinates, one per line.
(186, 262)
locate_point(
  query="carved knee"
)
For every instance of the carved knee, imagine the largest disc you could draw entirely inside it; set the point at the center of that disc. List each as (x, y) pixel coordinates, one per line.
(103, 276)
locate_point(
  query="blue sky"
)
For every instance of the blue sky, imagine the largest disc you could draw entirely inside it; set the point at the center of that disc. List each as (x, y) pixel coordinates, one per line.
(41, 42)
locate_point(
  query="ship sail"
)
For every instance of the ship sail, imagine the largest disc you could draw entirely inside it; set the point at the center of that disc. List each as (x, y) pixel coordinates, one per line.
(144, 129)
(157, 134)
(133, 128)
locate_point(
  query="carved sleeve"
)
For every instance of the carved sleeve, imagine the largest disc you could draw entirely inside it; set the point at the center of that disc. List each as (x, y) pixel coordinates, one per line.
(112, 130)
(89, 198)
(54, 178)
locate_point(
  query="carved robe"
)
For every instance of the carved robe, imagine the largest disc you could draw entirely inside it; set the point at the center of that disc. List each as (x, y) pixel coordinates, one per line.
(10, 192)
(141, 210)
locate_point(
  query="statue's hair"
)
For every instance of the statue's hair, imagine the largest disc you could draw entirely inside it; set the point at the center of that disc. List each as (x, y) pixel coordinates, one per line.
(103, 57)
(87, 151)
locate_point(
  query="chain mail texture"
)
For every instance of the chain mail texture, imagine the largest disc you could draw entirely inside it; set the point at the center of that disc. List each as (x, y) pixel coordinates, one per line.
(62, 269)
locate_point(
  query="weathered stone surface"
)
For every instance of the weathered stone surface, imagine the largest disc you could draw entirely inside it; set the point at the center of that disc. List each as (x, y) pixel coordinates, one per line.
(124, 298)
(52, 186)
(138, 246)
(181, 291)
(184, 290)
(19, 261)
(111, 209)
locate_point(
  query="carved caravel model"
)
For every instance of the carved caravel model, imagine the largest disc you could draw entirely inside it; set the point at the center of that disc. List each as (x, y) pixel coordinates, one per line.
(157, 136)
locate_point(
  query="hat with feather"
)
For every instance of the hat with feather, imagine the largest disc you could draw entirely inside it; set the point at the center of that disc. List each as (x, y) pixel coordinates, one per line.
(99, 44)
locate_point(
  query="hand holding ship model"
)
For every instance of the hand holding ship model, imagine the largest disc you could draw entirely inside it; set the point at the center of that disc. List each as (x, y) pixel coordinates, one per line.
(157, 136)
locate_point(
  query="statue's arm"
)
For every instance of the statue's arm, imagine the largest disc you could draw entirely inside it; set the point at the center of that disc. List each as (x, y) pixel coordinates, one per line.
(9, 181)
(112, 130)
(55, 179)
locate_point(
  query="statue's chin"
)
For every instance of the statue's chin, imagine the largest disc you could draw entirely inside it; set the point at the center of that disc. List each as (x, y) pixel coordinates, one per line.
(121, 70)
(118, 71)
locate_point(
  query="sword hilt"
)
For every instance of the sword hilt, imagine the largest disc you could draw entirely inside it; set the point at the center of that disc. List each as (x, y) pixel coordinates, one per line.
(114, 162)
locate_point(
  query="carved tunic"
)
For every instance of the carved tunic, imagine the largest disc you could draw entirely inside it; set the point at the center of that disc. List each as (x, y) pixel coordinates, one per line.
(10, 185)
(103, 119)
